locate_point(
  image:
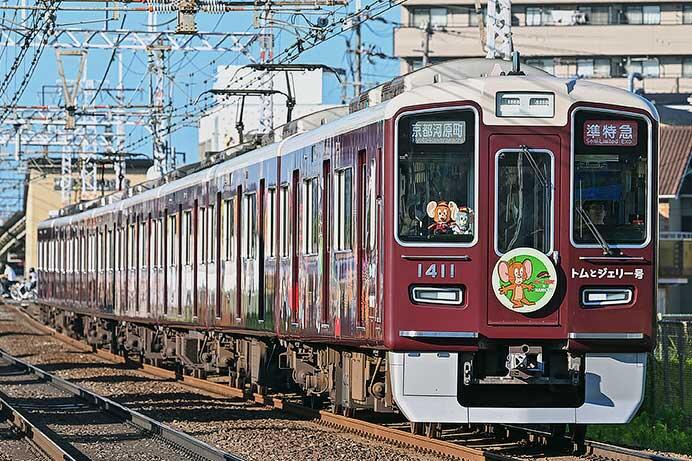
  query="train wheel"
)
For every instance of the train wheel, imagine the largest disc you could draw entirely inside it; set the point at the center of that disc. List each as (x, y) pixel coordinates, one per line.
(578, 437)
(433, 430)
(417, 428)
(557, 436)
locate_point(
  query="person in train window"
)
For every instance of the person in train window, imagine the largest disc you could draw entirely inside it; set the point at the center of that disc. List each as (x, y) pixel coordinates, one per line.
(596, 209)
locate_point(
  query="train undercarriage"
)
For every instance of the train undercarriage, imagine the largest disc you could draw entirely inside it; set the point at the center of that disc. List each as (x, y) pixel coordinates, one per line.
(343, 380)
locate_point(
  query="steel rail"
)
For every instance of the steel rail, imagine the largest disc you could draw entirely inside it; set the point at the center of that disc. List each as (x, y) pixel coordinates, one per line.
(173, 436)
(43, 441)
(379, 432)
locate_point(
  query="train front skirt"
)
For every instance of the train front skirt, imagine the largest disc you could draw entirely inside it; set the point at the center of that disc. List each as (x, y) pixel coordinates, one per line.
(426, 389)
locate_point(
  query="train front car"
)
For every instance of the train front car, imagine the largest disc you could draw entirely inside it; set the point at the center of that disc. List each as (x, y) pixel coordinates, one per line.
(522, 268)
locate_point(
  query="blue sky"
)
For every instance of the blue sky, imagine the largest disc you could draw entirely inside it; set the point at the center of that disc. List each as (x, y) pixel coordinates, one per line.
(194, 73)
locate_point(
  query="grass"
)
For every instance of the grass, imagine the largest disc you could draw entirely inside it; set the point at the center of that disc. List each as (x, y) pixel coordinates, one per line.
(670, 430)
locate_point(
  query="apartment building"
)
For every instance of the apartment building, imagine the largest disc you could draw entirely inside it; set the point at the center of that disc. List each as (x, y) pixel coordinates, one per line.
(592, 40)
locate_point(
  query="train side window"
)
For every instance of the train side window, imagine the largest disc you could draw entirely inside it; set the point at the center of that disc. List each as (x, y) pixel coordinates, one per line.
(228, 224)
(284, 220)
(310, 212)
(143, 239)
(211, 234)
(160, 243)
(343, 209)
(271, 222)
(172, 240)
(187, 236)
(132, 247)
(249, 225)
(109, 248)
(372, 207)
(201, 229)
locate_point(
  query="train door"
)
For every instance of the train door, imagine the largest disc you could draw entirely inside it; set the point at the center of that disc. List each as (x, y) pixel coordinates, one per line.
(325, 314)
(132, 272)
(261, 233)
(367, 259)
(212, 258)
(173, 263)
(156, 248)
(203, 248)
(249, 269)
(144, 242)
(295, 269)
(188, 260)
(524, 177)
(227, 273)
(110, 269)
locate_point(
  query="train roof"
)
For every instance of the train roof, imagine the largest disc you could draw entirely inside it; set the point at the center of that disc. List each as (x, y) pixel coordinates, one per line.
(476, 80)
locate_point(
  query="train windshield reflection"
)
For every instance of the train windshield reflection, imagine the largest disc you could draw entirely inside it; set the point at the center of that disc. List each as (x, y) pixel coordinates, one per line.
(610, 180)
(436, 177)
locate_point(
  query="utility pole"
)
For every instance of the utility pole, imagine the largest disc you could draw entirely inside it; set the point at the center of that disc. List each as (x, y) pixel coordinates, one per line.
(499, 32)
(358, 73)
(266, 57)
(426, 43)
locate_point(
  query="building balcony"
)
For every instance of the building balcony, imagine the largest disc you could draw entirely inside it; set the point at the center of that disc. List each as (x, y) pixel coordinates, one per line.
(540, 41)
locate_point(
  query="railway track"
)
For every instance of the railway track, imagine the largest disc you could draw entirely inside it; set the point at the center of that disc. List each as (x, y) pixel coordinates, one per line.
(69, 422)
(515, 443)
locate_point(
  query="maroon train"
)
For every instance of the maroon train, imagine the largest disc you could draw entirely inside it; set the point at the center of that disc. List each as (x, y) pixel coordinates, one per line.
(466, 243)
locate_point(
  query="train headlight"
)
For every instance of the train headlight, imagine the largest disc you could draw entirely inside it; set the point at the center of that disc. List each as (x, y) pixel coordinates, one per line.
(437, 295)
(597, 297)
(519, 104)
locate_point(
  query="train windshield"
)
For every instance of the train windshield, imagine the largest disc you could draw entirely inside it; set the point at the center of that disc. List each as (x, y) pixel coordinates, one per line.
(610, 179)
(436, 177)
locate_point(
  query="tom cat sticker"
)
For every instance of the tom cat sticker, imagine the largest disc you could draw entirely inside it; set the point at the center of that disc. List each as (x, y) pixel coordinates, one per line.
(524, 280)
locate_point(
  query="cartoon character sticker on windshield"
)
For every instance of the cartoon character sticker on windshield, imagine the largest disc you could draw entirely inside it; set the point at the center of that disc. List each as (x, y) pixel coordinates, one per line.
(463, 221)
(442, 213)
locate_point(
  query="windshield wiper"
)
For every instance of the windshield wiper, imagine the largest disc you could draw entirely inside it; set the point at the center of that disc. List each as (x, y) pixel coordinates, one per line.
(539, 174)
(594, 231)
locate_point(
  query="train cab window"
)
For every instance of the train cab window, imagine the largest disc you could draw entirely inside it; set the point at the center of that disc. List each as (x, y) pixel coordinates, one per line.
(271, 222)
(524, 200)
(249, 224)
(284, 220)
(611, 187)
(436, 177)
(228, 217)
(311, 216)
(343, 209)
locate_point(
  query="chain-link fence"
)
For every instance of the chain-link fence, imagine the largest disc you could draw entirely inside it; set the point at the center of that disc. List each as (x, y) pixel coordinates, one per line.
(669, 381)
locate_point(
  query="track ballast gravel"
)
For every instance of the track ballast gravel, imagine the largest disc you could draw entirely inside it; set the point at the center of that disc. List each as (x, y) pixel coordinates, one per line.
(249, 430)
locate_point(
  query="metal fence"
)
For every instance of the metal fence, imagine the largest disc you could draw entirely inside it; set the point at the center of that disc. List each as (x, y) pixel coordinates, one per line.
(669, 381)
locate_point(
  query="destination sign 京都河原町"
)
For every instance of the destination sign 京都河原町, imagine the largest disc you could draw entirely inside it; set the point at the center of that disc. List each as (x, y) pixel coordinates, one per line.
(438, 132)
